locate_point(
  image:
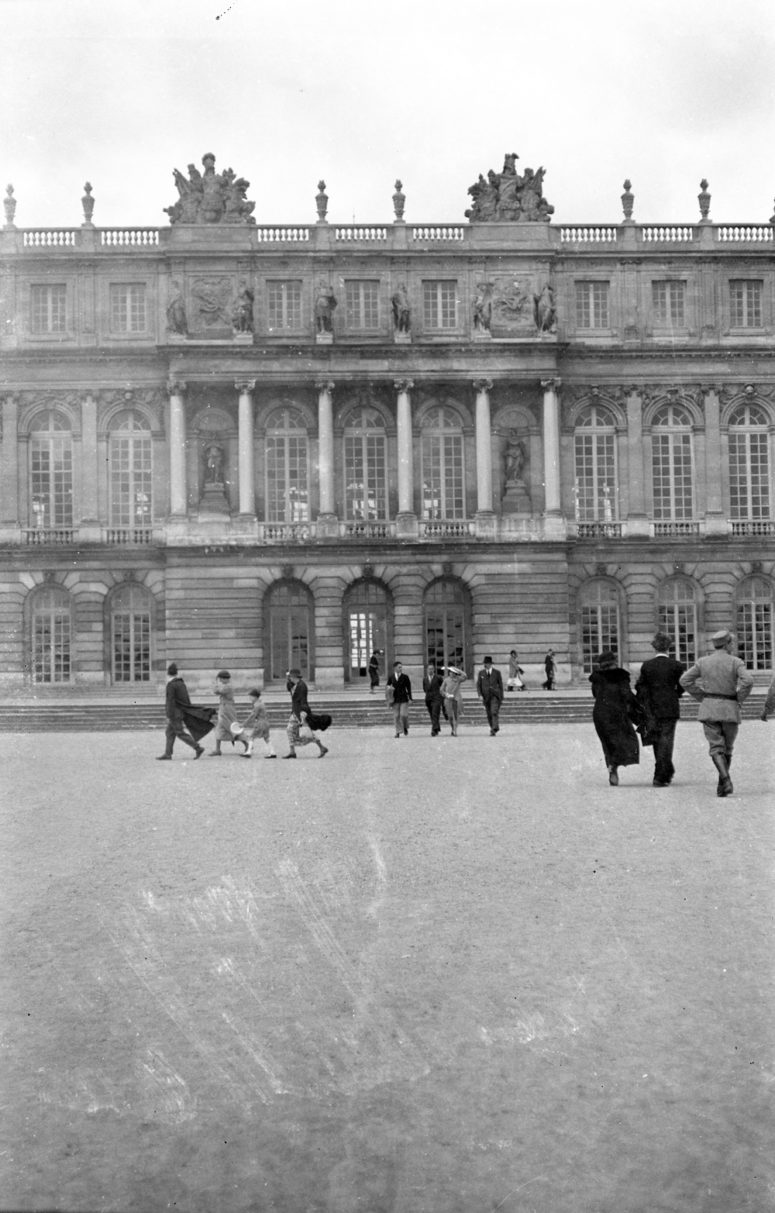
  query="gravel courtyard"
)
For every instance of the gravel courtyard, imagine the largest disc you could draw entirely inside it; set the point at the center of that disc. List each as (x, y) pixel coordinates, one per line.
(420, 976)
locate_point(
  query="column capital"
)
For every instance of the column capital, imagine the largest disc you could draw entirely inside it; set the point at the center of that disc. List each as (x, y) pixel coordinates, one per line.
(482, 385)
(244, 385)
(176, 387)
(403, 385)
(551, 385)
(325, 385)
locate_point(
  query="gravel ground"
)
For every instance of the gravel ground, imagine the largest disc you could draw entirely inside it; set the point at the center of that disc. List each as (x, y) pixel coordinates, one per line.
(420, 976)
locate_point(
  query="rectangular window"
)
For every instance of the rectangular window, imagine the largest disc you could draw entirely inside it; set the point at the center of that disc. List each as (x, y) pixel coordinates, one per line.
(51, 480)
(287, 497)
(283, 303)
(131, 480)
(361, 304)
(668, 301)
(365, 470)
(595, 487)
(672, 476)
(745, 304)
(749, 475)
(127, 307)
(592, 305)
(439, 305)
(131, 647)
(48, 308)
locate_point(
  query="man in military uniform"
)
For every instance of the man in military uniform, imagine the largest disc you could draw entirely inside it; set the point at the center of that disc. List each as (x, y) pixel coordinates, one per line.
(721, 683)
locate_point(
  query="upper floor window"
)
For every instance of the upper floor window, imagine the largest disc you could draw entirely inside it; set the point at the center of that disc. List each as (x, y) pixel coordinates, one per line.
(287, 478)
(439, 301)
(361, 304)
(745, 303)
(130, 472)
(749, 463)
(283, 302)
(51, 471)
(127, 307)
(672, 463)
(441, 454)
(365, 466)
(48, 308)
(594, 448)
(668, 301)
(592, 305)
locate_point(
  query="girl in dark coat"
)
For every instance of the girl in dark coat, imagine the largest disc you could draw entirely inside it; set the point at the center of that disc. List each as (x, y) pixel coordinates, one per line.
(613, 713)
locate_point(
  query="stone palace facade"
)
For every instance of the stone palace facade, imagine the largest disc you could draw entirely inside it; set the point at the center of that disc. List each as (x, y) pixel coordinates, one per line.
(261, 446)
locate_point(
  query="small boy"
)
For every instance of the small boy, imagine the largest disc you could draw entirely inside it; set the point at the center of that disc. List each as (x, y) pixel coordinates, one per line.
(256, 725)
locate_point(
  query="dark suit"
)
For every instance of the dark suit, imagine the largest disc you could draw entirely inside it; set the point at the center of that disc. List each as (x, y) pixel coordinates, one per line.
(658, 690)
(177, 708)
(433, 700)
(489, 688)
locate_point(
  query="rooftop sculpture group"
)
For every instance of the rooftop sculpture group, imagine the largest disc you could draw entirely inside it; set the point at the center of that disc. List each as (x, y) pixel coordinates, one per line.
(509, 197)
(210, 197)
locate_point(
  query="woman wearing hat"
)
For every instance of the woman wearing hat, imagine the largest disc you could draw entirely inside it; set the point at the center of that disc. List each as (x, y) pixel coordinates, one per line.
(453, 695)
(227, 712)
(613, 714)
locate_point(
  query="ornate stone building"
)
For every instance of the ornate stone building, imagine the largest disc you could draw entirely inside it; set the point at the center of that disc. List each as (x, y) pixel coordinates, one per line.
(264, 446)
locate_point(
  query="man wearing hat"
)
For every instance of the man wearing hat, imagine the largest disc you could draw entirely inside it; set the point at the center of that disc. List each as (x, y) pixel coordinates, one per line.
(489, 688)
(658, 691)
(721, 683)
(182, 717)
(300, 712)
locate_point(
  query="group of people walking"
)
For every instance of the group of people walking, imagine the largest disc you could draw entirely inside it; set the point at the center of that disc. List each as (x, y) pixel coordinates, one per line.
(720, 683)
(442, 690)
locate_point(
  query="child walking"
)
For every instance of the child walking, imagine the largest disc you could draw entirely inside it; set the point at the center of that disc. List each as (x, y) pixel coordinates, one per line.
(256, 726)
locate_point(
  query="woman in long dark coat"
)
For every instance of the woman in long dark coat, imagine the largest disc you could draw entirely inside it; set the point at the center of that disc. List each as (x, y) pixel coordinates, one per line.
(613, 713)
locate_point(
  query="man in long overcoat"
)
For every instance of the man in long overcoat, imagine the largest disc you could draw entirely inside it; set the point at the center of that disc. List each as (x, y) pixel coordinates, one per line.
(489, 688)
(185, 722)
(721, 683)
(658, 691)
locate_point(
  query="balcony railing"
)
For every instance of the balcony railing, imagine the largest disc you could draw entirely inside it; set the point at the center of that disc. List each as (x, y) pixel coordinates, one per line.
(46, 536)
(128, 535)
(599, 530)
(662, 529)
(759, 526)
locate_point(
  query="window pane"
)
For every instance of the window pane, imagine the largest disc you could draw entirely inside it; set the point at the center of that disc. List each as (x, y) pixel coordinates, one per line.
(440, 305)
(283, 305)
(668, 301)
(131, 479)
(48, 308)
(51, 480)
(362, 305)
(749, 464)
(287, 494)
(745, 303)
(127, 307)
(592, 305)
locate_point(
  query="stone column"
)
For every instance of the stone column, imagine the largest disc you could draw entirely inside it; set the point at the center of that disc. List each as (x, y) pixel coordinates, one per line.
(177, 441)
(247, 491)
(637, 519)
(9, 466)
(483, 387)
(551, 436)
(406, 520)
(326, 447)
(89, 473)
(715, 470)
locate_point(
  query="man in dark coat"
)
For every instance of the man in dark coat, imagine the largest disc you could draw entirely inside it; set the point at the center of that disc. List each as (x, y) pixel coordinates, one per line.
(300, 714)
(402, 696)
(431, 685)
(489, 688)
(658, 691)
(184, 721)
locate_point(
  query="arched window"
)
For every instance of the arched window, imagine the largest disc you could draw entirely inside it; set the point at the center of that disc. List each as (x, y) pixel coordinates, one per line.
(130, 472)
(365, 467)
(130, 634)
(441, 453)
(51, 471)
(677, 617)
(749, 463)
(51, 635)
(594, 449)
(672, 464)
(754, 623)
(287, 477)
(289, 621)
(600, 621)
(447, 612)
(367, 628)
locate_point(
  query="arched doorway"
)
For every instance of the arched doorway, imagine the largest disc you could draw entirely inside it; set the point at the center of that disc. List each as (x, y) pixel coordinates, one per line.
(367, 627)
(289, 619)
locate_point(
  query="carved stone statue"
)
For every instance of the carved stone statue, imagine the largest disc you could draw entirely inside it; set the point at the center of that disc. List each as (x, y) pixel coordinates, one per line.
(509, 197)
(545, 315)
(213, 454)
(210, 197)
(514, 459)
(242, 316)
(483, 307)
(402, 313)
(325, 303)
(176, 311)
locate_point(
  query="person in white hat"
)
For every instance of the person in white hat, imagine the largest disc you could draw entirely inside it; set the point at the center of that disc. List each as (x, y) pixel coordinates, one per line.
(720, 682)
(453, 695)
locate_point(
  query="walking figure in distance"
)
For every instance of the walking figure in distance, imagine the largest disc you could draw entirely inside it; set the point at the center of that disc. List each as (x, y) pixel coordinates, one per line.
(658, 691)
(227, 712)
(300, 711)
(489, 688)
(550, 669)
(515, 673)
(431, 685)
(185, 722)
(612, 715)
(721, 683)
(451, 690)
(402, 697)
(256, 725)
(374, 671)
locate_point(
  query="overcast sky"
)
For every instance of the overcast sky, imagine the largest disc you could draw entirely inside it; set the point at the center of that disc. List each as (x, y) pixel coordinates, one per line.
(431, 91)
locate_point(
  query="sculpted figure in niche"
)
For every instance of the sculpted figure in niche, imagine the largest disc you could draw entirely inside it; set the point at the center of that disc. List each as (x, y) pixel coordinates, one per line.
(324, 309)
(402, 316)
(545, 315)
(242, 316)
(213, 463)
(176, 311)
(483, 307)
(514, 460)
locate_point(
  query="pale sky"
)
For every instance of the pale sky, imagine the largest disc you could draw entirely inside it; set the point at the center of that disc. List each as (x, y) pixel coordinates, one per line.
(432, 91)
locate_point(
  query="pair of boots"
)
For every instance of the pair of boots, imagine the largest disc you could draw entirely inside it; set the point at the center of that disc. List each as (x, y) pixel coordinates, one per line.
(722, 763)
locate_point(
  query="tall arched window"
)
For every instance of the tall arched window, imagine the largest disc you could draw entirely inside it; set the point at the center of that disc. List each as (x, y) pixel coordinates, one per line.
(441, 452)
(749, 463)
(367, 627)
(677, 617)
(447, 612)
(289, 622)
(600, 621)
(51, 471)
(672, 464)
(130, 472)
(51, 635)
(594, 449)
(754, 623)
(365, 466)
(130, 634)
(287, 476)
